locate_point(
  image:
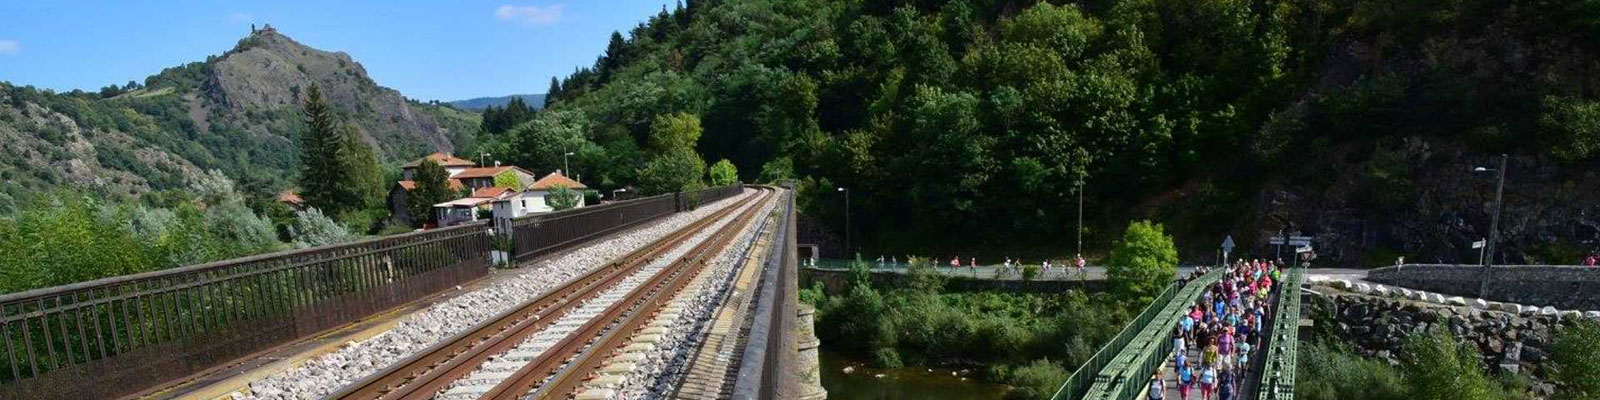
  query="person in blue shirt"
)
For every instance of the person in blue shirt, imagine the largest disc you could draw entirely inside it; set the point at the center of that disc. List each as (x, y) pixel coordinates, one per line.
(1225, 384)
(1185, 380)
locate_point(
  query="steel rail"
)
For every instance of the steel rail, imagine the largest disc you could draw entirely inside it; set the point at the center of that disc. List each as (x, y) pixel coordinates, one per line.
(578, 355)
(423, 374)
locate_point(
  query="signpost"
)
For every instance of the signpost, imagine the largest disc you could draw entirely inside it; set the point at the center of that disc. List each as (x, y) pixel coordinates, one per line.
(1480, 245)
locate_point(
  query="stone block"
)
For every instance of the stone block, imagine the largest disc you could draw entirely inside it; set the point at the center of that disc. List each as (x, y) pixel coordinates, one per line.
(1436, 298)
(1528, 310)
(1480, 304)
(1342, 284)
(1380, 290)
(1571, 314)
(1592, 314)
(1363, 288)
(1455, 301)
(1406, 293)
(1547, 311)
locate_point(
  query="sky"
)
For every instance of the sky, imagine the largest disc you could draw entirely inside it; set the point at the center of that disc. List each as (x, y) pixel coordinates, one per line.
(428, 50)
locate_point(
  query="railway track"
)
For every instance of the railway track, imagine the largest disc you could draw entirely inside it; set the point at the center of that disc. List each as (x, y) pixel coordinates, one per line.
(432, 370)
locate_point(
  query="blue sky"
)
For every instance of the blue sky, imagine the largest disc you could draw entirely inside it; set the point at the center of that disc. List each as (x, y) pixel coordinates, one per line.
(429, 50)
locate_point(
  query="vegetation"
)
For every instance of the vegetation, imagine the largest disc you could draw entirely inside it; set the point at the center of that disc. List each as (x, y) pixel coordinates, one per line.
(723, 173)
(562, 197)
(433, 187)
(948, 116)
(66, 237)
(1577, 357)
(1025, 339)
(339, 172)
(1434, 365)
(1143, 262)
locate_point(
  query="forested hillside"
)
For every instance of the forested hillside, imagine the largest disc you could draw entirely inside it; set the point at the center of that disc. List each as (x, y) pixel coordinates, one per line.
(238, 112)
(973, 122)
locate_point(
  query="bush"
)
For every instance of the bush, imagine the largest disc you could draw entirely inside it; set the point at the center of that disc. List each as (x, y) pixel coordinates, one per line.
(1438, 367)
(1036, 380)
(316, 230)
(1577, 356)
(1359, 378)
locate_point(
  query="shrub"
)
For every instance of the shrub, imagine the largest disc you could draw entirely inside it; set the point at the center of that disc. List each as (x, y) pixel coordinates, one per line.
(1577, 356)
(1438, 367)
(1037, 380)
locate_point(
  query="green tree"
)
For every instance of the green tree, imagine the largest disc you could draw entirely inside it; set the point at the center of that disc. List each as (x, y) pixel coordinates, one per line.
(671, 172)
(316, 229)
(1143, 261)
(363, 172)
(777, 169)
(561, 197)
(432, 187)
(723, 173)
(1438, 367)
(1577, 357)
(675, 132)
(338, 171)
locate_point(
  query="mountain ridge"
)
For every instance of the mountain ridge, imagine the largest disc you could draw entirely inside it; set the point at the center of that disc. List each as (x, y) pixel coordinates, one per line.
(238, 112)
(535, 100)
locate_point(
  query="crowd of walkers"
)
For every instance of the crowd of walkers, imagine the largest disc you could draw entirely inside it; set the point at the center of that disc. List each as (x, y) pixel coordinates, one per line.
(1215, 340)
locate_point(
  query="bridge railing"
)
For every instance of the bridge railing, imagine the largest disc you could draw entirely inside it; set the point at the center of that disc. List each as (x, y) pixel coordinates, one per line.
(768, 367)
(1080, 381)
(113, 336)
(1278, 375)
(1124, 377)
(542, 234)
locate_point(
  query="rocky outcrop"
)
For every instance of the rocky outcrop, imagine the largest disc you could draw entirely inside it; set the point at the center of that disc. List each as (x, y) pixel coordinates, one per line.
(1377, 326)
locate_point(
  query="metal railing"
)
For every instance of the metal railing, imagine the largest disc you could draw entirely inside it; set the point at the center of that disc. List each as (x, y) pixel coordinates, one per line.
(1277, 377)
(114, 336)
(542, 234)
(1082, 379)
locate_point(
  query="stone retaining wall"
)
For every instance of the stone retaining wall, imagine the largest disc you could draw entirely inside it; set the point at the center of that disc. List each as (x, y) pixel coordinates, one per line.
(1562, 287)
(1377, 326)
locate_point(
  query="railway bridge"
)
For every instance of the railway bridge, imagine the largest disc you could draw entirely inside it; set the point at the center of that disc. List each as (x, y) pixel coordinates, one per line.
(688, 295)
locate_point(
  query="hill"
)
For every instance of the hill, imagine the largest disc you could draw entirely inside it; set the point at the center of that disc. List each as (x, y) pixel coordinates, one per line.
(237, 112)
(478, 104)
(970, 126)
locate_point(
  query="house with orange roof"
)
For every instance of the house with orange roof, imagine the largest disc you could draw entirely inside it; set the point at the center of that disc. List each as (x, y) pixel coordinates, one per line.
(452, 165)
(533, 199)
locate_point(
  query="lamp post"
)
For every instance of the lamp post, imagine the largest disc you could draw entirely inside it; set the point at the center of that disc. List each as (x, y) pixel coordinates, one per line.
(615, 191)
(564, 166)
(847, 249)
(1494, 223)
(481, 157)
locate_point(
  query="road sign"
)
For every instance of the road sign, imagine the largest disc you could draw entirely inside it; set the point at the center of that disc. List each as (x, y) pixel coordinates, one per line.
(1303, 249)
(1479, 244)
(1227, 244)
(1275, 240)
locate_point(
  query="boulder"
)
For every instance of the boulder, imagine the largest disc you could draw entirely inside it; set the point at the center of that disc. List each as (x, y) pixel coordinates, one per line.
(1456, 301)
(1406, 293)
(1363, 288)
(1480, 304)
(1528, 310)
(1592, 314)
(1342, 284)
(1380, 290)
(1548, 311)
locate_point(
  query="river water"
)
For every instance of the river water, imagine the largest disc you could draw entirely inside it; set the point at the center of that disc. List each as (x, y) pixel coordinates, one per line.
(906, 383)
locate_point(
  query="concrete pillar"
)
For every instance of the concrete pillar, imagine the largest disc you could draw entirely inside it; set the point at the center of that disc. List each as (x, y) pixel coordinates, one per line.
(809, 364)
(502, 248)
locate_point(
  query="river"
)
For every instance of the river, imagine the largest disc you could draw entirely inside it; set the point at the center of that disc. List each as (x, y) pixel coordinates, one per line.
(863, 383)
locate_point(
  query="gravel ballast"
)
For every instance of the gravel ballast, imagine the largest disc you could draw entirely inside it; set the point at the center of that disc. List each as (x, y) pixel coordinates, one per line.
(321, 375)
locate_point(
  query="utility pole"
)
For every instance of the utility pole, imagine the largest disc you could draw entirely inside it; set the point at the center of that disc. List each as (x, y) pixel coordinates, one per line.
(1080, 215)
(1494, 225)
(848, 254)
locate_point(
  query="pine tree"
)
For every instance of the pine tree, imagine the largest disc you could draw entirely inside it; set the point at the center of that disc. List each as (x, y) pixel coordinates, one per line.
(319, 156)
(553, 93)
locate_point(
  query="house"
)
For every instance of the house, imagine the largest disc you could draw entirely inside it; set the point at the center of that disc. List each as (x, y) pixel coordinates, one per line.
(397, 201)
(482, 177)
(471, 208)
(532, 200)
(452, 165)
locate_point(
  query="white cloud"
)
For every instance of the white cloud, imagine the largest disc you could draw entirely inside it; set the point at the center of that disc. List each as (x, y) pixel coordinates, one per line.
(531, 15)
(10, 47)
(240, 17)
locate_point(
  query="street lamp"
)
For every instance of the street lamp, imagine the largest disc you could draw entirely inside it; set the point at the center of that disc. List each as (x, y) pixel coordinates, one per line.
(1494, 223)
(564, 166)
(615, 191)
(481, 157)
(847, 251)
